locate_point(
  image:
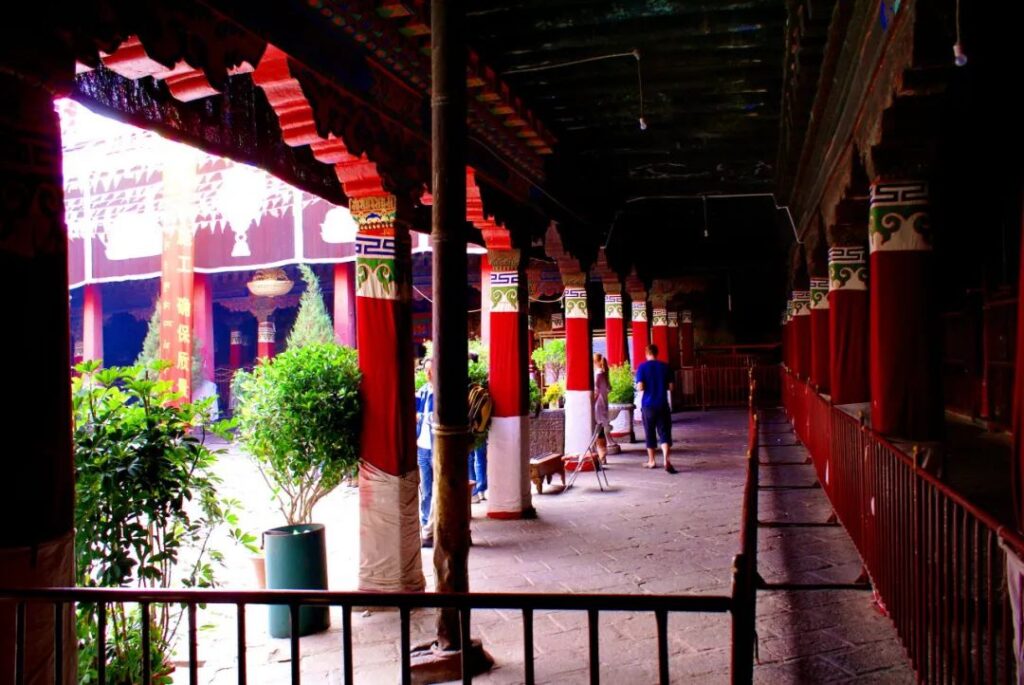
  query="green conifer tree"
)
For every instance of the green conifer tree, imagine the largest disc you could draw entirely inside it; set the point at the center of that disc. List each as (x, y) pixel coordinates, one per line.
(312, 323)
(151, 346)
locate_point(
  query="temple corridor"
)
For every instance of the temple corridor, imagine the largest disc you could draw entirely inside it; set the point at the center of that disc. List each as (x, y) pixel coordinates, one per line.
(651, 533)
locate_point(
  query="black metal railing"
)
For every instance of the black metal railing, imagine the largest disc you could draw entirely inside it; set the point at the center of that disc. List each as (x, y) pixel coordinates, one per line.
(741, 604)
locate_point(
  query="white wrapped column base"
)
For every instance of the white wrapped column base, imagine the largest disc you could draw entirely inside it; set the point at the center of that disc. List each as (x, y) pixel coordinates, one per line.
(389, 531)
(579, 420)
(49, 564)
(508, 467)
(638, 414)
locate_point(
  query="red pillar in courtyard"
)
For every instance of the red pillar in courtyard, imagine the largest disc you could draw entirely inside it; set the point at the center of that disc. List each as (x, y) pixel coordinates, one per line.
(345, 304)
(614, 328)
(235, 349)
(579, 365)
(848, 324)
(820, 347)
(508, 459)
(801, 333)
(37, 544)
(687, 350)
(389, 539)
(92, 322)
(905, 395)
(202, 323)
(266, 339)
(638, 310)
(673, 340)
(659, 328)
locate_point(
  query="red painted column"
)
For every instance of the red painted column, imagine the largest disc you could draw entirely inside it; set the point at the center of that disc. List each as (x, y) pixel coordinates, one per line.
(673, 340)
(389, 539)
(786, 346)
(485, 299)
(235, 349)
(687, 351)
(906, 399)
(640, 329)
(820, 347)
(266, 340)
(802, 333)
(659, 331)
(202, 323)
(848, 324)
(1018, 396)
(37, 544)
(345, 304)
(92, 323)
(614, 328)
(579, 366)
(508, 459)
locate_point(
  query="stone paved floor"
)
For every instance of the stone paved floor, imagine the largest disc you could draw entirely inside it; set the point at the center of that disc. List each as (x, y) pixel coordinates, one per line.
(652, 533)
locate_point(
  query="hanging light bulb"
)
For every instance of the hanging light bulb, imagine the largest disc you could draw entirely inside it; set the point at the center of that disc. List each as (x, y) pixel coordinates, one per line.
(643, 124)
(959, 58)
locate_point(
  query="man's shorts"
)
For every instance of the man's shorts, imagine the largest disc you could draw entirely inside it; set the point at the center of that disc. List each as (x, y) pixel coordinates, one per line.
(657, 420)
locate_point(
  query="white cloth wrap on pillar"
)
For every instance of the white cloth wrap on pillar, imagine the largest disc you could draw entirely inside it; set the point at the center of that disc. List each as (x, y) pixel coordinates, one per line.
(508, 464)
(638, 415)
(1015, 585)
(579, 420)
(49, 564)
(389, 531)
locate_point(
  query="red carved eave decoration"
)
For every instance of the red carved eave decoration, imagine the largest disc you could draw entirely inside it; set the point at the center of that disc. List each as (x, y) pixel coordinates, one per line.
(186, 83)
(496, 236)
(358, 175)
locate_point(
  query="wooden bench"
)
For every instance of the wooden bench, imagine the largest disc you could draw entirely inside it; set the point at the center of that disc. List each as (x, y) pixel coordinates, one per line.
(543, 468)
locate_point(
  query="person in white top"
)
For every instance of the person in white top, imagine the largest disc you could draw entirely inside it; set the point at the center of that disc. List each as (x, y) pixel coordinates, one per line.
(425, 450)
(602, 386)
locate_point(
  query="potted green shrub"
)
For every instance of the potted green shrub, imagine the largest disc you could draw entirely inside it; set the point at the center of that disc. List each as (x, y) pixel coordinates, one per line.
(299, 418)
(146, 509)
(535, 398)
(621, 396)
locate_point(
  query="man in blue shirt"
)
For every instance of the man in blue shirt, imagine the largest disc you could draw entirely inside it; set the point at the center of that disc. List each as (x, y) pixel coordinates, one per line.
(654, 379)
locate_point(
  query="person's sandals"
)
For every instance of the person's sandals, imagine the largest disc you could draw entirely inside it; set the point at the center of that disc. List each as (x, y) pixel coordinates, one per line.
(671, 469)
(650, 466)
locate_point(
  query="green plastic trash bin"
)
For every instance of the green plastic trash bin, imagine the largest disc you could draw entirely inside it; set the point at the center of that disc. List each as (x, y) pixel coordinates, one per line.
(297, 560)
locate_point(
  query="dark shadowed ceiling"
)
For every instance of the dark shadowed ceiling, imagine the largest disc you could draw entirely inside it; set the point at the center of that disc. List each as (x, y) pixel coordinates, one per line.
(711, 74)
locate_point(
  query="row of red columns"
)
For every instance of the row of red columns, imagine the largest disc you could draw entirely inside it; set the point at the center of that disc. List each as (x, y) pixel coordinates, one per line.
(875, 344)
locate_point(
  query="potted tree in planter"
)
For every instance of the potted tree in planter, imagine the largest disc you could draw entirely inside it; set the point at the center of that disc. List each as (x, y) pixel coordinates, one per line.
(299, 419)
(620, 401)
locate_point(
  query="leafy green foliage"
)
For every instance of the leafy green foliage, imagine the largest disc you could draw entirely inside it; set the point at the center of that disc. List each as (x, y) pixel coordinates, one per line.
(312, 322)
(534, 396)
(146, 504)
(551, 358)
(300, 419)
(478, 370)
(620, 377)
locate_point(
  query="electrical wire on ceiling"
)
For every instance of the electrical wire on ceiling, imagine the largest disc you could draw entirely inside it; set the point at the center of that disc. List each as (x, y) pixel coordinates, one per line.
(635, 54)
(704, 198)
